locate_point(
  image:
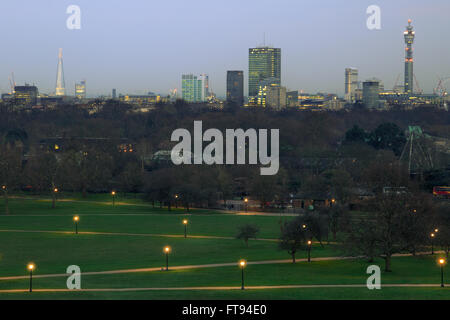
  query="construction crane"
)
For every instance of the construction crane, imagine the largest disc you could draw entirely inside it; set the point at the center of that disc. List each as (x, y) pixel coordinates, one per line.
(395, 87)
(12, 83)
(440, 89)
(418, 90)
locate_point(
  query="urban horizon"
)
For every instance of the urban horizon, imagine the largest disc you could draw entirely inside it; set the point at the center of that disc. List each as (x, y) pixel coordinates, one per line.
(296, 74)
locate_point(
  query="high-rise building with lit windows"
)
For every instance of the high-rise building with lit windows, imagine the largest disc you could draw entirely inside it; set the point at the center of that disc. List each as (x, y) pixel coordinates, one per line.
(351, 84)
(80, 90)
(235, 87)
(193, 88)
(263, 63)
(409, 35)
(371, 91)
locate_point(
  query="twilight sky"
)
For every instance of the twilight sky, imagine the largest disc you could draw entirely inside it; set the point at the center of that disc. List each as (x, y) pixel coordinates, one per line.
(138, 46)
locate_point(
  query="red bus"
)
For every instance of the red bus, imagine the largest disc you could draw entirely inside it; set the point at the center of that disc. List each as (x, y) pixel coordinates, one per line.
(441, 192)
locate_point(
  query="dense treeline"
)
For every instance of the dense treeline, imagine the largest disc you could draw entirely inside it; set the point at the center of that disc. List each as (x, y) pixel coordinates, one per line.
(322, 154)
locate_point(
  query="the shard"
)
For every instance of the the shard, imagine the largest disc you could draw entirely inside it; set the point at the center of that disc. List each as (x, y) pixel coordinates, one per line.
(60, 84)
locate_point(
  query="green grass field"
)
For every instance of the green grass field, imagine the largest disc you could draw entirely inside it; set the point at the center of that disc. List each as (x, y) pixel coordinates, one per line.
(47, 238)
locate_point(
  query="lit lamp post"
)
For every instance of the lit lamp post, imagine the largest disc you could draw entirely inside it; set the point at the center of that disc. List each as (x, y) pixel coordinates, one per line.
(55, 191)
(167, 251)
(432, 242)
(304, 226)
(176, 201)
(442, 263)
(113, 194)
(333, 201)
(246, 204)
(76, 219)
(30, 268)
(242, 265)
(5, 194)
(185, 222)
(309, 250)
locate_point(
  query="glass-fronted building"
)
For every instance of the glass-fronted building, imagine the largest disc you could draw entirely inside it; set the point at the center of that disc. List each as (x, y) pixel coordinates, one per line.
(263, 63)
(235, 87)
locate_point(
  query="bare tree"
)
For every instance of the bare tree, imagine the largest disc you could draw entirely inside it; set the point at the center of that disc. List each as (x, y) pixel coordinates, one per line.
(293, 237)
(246, 232)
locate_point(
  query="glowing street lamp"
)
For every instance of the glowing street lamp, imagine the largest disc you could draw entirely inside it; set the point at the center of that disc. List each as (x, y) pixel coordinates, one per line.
(309, 250)
(436, 230)
(76, 219)
(304, 226)
(176, 201)
(167, 250)
(246, 204)
(242, 265)
(442, 263)
(31, 266)
(432, 242)
(185, 222)
(113, 194)
(55, 191)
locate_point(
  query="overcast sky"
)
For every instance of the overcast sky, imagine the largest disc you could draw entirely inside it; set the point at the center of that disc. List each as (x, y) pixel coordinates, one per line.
(138, 46)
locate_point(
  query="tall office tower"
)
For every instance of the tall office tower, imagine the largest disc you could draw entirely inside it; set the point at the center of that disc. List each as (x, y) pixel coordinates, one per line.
(409, 71)
(235, 87)
(351, 84)
(193, 88)
(205, 86)
(114, 94)
(371, 91)
(80, 90)
(263, 63)
(60, 84)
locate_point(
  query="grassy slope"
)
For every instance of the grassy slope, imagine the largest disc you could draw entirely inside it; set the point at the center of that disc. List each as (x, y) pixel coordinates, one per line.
(54, 252)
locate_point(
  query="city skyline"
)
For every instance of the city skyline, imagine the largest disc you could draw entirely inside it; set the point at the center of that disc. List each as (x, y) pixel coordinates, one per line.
(310, 62)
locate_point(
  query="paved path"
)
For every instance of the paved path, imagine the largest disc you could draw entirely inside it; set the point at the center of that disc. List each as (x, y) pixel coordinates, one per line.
(201, 266)
(299, 286)
(132, 234)
(117, 203)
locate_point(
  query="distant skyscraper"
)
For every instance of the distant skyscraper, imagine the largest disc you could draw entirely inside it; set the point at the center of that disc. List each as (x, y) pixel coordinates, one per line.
(60, 84)
(205, 86)
(114, 94)
(263, 63)
(371, 91)
(235, 87)
(80, 90)
(194, 89)
(409, 35)
(351, 84)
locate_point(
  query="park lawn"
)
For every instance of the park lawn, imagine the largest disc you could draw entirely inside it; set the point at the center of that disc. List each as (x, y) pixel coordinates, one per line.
(271, 294)
(412, 270)
(53, 252)
(67, 206)
(153, 223)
